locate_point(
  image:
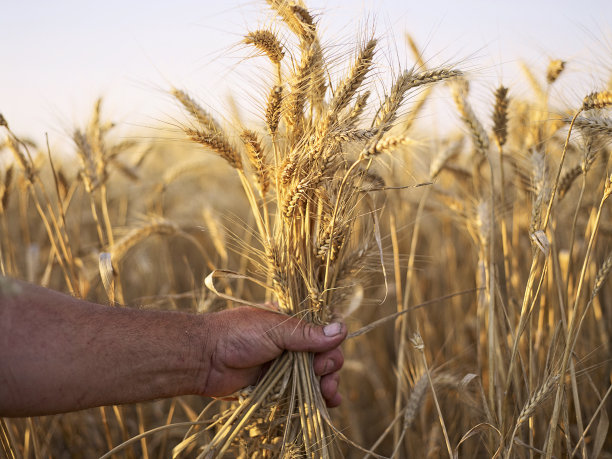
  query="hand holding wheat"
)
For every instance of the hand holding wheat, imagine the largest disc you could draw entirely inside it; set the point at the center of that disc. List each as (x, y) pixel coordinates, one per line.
(242, 341)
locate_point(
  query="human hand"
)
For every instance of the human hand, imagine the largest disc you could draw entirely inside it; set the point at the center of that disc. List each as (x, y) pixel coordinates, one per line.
(242, 341)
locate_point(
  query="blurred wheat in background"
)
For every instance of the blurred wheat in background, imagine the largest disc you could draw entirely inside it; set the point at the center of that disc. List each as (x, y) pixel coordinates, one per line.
(471, 265)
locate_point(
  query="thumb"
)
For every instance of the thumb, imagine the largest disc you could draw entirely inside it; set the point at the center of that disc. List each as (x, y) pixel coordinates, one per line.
(297, 335)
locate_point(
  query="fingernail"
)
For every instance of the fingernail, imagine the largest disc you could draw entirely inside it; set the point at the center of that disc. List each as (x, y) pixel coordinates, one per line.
(332, 329)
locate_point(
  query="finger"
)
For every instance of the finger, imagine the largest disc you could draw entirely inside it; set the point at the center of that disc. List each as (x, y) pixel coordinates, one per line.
(329, 389)
(328, 362)
(335, 401)
(296, 335)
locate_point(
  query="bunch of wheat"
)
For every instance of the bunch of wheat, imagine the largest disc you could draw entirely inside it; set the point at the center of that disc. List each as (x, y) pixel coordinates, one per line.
(316, 221)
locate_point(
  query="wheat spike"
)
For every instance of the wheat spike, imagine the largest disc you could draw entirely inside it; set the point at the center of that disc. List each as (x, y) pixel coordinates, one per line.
(479, 135)
(593, 125)
(555, 68)
(267, 42)
(602, 275)
(257, 157)
(415, 401)
(295, 102)
(296, 198)
(273, 109)
(204, 119)
(121, 247)
(568, 179)
(597, 100)
(351, 84)
(24, 161)
(352, 135)
(386, 145)
(500, 116)
(297, 17)
(608, 187)
(537, 398)
(352, 117)
(533, 82)
(5, 188)
(439, 161)
(406, 81)
(217, 143)
(540, 183)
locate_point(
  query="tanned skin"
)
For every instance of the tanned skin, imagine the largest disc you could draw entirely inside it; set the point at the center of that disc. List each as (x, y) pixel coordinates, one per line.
(60, 354)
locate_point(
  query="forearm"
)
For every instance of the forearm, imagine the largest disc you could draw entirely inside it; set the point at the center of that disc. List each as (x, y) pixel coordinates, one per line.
(60, 354)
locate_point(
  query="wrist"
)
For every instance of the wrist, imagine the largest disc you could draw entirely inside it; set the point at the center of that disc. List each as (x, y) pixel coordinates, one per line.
(201, 349)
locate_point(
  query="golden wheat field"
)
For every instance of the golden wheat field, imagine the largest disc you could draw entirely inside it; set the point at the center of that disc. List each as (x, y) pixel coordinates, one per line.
(469, 263)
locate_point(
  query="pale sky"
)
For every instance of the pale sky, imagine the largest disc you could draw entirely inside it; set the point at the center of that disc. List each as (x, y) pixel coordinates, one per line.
(59, 56)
